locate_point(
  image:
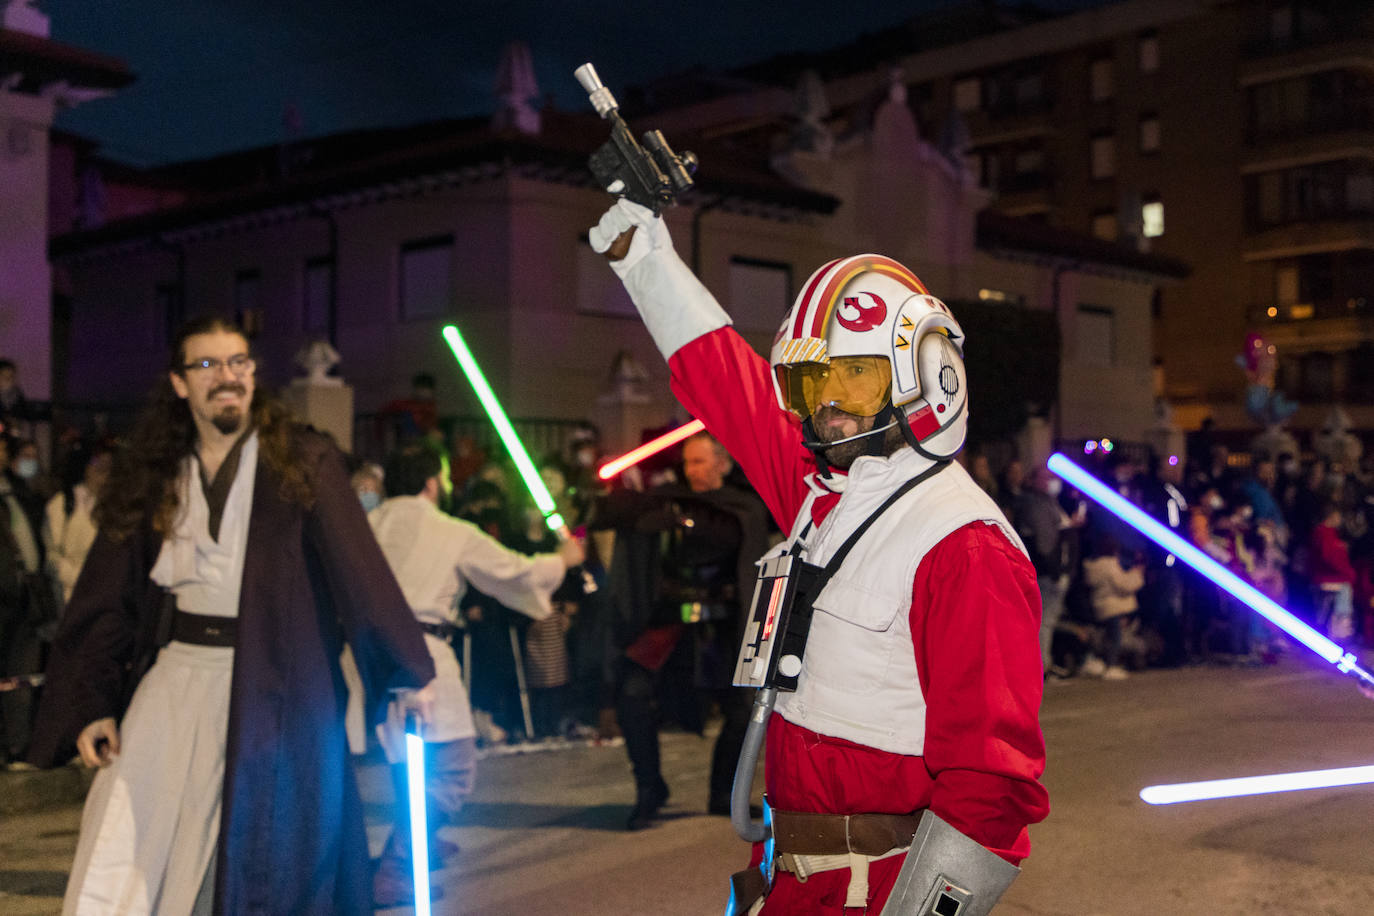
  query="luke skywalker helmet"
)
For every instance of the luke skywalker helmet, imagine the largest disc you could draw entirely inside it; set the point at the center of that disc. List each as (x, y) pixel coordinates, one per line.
(865, 336)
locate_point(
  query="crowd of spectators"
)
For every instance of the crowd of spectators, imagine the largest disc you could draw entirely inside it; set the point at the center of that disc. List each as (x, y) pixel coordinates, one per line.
(1297, 529)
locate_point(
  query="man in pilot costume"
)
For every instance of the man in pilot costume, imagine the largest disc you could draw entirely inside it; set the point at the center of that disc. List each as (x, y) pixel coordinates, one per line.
(921, 687)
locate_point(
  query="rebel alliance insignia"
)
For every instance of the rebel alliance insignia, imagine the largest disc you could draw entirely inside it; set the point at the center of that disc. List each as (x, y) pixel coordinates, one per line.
(856, 317)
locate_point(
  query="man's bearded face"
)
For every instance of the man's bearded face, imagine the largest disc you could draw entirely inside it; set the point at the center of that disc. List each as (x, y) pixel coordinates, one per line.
(833, 424)
(219, 395)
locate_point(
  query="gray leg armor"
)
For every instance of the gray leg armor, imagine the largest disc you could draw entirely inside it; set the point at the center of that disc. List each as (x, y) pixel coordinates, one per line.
(948, 874)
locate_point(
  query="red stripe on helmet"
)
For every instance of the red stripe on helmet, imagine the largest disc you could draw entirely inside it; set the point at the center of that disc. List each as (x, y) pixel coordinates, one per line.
(854, 268)
(805, 299)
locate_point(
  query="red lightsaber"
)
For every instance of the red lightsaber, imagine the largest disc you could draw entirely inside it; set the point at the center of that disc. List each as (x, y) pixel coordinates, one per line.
(653, 447)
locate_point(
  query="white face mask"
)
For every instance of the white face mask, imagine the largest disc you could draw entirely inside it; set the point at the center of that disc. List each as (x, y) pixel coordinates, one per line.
(26, 468)
(1054, 486)
(370, 499)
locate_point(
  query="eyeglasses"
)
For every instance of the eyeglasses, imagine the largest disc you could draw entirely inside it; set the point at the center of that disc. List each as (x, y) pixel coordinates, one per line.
(240, 365)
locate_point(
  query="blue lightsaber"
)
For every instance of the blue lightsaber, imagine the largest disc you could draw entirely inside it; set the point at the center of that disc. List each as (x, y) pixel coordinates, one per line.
(1256, 785)
(419, 826)
(1243, 591)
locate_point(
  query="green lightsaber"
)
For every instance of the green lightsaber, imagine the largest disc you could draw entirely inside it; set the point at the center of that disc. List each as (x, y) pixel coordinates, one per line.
(542, 498)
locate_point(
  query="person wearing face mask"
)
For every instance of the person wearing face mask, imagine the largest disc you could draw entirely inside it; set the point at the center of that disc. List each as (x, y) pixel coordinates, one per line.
(1044, 527)
(28, 468)
(903, 712)
(367, 482)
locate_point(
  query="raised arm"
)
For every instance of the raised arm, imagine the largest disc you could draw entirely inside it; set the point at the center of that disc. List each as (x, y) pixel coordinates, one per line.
(715, 374)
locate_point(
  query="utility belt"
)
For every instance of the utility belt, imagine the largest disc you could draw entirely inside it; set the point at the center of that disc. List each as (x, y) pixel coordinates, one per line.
(203, 629)
(444, 631)
(805, 843)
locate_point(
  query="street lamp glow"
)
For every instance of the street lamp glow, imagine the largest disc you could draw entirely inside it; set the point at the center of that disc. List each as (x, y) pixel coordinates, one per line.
(1243, 591)
(543, 499)
(1256, 785)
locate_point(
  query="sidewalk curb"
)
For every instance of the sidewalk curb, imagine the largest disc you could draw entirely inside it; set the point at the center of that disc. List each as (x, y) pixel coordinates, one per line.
(27, 791)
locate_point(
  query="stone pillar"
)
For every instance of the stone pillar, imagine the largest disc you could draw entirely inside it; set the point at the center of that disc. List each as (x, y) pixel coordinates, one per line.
(26, 279)
(322, 400)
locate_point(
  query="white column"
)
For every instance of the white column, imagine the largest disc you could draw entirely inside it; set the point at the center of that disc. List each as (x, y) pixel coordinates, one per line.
(25, 277)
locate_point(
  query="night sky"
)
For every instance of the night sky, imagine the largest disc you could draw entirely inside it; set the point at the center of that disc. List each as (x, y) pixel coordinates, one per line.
(218, 75)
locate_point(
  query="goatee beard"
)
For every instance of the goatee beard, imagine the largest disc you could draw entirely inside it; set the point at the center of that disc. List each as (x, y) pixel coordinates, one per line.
(228, 421)
(843, 455)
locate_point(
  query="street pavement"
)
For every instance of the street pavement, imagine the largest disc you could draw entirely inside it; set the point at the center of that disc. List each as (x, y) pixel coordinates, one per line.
(544, 833)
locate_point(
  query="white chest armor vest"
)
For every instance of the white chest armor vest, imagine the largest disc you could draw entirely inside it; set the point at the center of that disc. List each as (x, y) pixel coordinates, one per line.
(859, 679)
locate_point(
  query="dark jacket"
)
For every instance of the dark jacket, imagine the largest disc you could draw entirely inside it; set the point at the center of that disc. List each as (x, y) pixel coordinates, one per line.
(291, 834)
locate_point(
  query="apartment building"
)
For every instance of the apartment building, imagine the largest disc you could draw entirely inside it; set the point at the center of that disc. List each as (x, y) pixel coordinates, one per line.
(1236, 135)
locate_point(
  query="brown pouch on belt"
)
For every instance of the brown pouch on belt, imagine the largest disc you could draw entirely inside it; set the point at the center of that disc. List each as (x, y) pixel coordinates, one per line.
(746, 887)
(802, 834)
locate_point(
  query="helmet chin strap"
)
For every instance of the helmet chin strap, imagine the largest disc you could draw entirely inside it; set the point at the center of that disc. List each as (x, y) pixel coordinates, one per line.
(818, 447)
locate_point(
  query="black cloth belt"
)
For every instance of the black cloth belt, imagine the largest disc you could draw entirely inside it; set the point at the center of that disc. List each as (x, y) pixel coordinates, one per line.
(203, 630)
(444, 631)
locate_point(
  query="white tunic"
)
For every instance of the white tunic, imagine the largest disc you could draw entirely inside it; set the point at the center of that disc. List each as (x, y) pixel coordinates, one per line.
(864, 686)
(151, 819)
(434, 556)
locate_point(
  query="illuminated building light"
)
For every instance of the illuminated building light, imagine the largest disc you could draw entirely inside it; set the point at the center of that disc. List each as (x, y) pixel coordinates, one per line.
(652, 447)
(993, 295)
(1186, 551)
(1256, 785)
(1090, 446)
(1173, 461)
(419, 827)
(1272, 311)
(1108, 445)
(542, 498)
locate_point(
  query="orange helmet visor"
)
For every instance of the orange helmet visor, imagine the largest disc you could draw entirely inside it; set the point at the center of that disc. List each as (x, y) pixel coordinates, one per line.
(859, 385)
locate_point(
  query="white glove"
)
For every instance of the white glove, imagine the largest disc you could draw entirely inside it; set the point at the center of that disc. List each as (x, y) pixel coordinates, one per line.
(650, 233)
(675, 307)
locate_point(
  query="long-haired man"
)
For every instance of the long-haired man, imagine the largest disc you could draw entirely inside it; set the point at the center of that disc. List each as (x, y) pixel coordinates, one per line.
(197, 661)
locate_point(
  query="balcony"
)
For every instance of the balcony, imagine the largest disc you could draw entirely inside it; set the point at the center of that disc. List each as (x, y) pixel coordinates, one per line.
(1298, 236)
(1270, 59)
(1009, 122)
(1347, 308)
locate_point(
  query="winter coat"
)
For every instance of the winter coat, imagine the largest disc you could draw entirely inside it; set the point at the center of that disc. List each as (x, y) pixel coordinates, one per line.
(1111, 587)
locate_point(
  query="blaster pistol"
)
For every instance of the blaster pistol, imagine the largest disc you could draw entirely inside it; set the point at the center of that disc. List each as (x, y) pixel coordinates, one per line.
(650, 174)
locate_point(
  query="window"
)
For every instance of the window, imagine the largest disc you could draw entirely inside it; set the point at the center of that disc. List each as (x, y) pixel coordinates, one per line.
(247, 304)
(1147, 52)
(426, 278)
(1096, 336)
(760, 292)
(167, 301)
(316, 295)
(968, 94)
(598, 290)
(1286, 284)
(1281, 23)
(1105, 225)
(1103, 150)
(1101, 82)
(1029, 161)
(1152, 217)
(1149, 133)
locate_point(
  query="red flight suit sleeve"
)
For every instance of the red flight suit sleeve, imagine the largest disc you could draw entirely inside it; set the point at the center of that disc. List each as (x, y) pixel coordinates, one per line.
(975, 620)
(729, 387)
